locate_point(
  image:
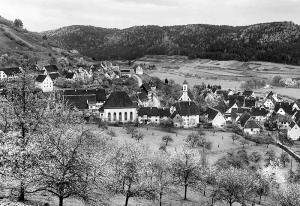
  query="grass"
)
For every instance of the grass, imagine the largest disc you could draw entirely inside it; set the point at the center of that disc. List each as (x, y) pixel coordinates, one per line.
(222, 144)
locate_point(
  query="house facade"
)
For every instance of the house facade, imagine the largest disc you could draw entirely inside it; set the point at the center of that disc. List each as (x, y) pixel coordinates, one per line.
(8, 74)
(118, 108)
(44, 82)
(152, 115)
(294, 131)
(251, 127)
(215, 117)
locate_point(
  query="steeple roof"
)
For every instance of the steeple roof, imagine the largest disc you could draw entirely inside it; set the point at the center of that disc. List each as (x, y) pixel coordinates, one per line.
(185, 82)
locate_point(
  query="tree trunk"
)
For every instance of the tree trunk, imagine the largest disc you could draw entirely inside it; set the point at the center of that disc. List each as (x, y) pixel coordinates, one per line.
(21, 197)
(61, 201)
(259, 199)
(160, 198)
(126, 201)
(185, 191)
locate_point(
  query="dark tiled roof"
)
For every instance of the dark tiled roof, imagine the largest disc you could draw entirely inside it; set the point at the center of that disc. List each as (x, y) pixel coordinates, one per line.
(211, 112)
(54, 75)
(146, 87)
(99, 93)
(190, 95)
(239, 99)
(70, 75)
(51, 68)
(297, 116)
(185, 82)
(11, 71)
(258, 111)
(286, 106)
(240, 110)
(247, 93)
(270, 94)
(244, 118)
(80, 102)
(251, 124)
(185, 109)
(153, 111)
(293, 123)
(40, 78)
(118, 99)
(250, 103)
(222, 107)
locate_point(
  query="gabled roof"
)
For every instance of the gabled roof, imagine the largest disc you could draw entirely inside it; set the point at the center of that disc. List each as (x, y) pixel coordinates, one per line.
(270, 94)
(80, 102)
(222, 107)
(11, 71)
(244, 118)
(240, 110)
(54, 75)
(293, 123)
(185, 109)
(41, 78)
(258, 112)
(250, 124)
(211, 112)
(118, 99)
(190, 95)
(185, 82)
(70, 75)
(286, 106)
(100, 94)
(146, 86)
(297, 116)
(51, 68)
(153, 111)
(239, 99)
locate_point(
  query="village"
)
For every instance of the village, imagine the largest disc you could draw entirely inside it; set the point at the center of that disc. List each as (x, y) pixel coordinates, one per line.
(251, 112)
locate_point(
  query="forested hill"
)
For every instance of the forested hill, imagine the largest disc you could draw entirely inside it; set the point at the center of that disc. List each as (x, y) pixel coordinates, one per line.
(275, 42)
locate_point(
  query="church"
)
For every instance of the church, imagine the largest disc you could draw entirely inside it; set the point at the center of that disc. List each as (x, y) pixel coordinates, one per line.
(185, 113)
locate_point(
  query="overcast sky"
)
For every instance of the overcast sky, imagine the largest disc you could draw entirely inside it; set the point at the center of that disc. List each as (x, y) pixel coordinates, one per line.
(42, 15)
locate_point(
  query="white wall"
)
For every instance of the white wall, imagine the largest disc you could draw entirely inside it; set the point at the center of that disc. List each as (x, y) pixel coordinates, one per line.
(122, 111)
(294, 133)
(252, 131)
(219, 120)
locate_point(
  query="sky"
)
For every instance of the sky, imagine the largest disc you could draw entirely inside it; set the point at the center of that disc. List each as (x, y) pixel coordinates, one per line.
(43, 15)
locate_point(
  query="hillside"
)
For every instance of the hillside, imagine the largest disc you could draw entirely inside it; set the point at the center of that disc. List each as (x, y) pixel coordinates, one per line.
(275, 42)
(17, 43)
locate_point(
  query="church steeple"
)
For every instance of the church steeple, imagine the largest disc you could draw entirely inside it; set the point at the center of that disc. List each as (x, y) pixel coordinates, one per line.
(185, 86)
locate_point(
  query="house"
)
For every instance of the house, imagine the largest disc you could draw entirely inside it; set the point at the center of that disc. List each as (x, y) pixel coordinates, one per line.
(152, 115)
(269, 103)
(138, 69)
(90, 100)
(44, 82)
(244, 118)
(148, 88)
(126, 72)
(71, 76)
(215, 117)
(284, 108)
(294, 131)
(143, 99)
(118, 108)
(9, 73)
(259, 114)
(296, 105)
(282, 121)
(186, 93)
(251, 127)
(239, 99)
(248, 93)
(50, 69)
(185, 114)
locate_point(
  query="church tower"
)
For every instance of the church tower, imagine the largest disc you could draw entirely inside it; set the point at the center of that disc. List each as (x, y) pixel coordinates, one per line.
(185, 97)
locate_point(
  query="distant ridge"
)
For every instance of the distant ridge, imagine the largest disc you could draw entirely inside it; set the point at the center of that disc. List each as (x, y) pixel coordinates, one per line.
(275, 41)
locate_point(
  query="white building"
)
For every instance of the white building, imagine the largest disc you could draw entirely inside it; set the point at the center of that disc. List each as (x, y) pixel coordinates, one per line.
(186, 93)
(251, 127)
(152, 115)
(215, 117)
(44, 82)
(294, 131)
(118, 108)
(9, 73)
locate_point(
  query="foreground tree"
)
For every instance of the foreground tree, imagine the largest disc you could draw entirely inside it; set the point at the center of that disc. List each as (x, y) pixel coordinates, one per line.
(167, 139)
(18, 23)
(284, 157)
(130, 173)
(234, 137)
(234, 185)
(25, 109)
(186, 164)
(287, 196)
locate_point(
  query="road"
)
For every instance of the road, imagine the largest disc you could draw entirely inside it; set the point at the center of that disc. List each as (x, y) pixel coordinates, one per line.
(140, 82)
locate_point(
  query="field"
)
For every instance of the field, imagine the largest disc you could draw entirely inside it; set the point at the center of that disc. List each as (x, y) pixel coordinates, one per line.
(292, 93)
(222, 144)
(228, 74)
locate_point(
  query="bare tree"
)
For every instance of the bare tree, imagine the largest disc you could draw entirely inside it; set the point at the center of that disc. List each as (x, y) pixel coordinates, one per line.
(234, 137)
(244, 142)
(139, 136)
(167, 139)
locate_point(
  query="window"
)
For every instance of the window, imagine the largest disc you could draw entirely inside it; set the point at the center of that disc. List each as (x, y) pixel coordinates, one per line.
(115, 116)
(109, 116)
(125, 116)
(131, 116)
(120, 116)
